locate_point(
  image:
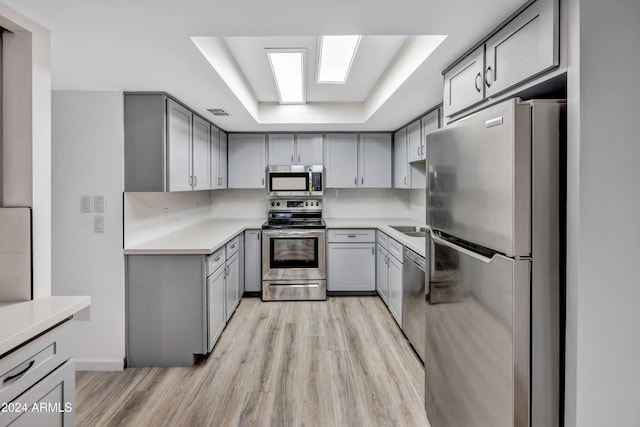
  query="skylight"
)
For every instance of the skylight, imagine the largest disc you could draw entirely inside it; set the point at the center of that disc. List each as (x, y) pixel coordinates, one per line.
(287, 66)
(336, 57)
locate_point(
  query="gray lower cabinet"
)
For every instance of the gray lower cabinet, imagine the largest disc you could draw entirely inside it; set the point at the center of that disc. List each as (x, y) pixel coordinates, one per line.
(351, 260)
(50, 402)
(231, 284)
(37, 381)
(252, 261)
(395, 288)
(166, 309)
(382, 273)
(216, 314)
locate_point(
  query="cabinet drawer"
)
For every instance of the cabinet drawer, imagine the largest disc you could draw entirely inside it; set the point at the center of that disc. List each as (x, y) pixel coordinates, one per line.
(55, 394)
(382, 239)
(215, 261)
(351, 235)
(395, 249)
(233, 246)
(25, 366)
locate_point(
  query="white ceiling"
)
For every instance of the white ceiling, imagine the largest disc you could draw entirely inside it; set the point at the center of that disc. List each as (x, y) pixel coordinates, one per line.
(373, 56)
(146, 45)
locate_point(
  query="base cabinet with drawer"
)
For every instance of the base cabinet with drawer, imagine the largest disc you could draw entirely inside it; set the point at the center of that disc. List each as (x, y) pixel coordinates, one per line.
(389, 274)
(37, 381)
(252, 261)
(351, 260)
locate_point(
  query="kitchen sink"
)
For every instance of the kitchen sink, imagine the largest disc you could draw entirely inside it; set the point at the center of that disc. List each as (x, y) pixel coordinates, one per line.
(411, 230)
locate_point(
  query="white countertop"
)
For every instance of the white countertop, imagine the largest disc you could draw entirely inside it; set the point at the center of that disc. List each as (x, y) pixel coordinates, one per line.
(208, 236)
(416, 244)
(202, 238)
(21, 321)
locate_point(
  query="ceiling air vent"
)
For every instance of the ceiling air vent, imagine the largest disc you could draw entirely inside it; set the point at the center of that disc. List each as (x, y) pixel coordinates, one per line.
(217, 111)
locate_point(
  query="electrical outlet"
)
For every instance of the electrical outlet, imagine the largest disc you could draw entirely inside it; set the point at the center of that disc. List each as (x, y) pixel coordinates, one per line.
(85, 204)
(165, 213)
(98, 224)
(99, 204)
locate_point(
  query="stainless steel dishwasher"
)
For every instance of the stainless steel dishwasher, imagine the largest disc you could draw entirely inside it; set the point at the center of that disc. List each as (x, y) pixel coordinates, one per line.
(414, 300)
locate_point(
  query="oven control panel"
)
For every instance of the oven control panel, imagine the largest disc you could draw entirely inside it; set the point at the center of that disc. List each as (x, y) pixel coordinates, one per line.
(295, 205)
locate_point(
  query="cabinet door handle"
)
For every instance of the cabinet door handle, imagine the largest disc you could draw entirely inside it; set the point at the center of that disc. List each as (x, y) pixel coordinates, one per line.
(190, 180)
(298, 158)
(405, 180)
(355, 181)
(292, 158)
(422, 150)
(263, 180)
(478, 85)
(233, 246)
(195, 184)
(19, 374)
(418, 150)
(486, 77)
(372, 251)
(217, 258)
(362, 180)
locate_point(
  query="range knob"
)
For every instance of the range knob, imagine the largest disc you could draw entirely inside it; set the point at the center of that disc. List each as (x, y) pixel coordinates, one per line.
(278, 204)
(306, 203)
(273, 204)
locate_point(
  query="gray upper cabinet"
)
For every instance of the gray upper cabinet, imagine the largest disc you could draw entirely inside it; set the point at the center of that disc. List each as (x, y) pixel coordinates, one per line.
(416, 149)
(218, 159)
(429, 123)
(247, 160)
(201, 158)
(180, 132)
(358, 161)
(401, 178)
(295, 149)
(463, 84)
(309, 149)
(282, 149)
(223, 160)
(341, 160)
(525, 47)
(374, 160)
(522, 48)
(166, 146)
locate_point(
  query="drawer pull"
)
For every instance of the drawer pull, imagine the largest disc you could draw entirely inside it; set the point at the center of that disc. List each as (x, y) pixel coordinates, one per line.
(217, 258)
(351, 236)
(233, 246)
(19, 374)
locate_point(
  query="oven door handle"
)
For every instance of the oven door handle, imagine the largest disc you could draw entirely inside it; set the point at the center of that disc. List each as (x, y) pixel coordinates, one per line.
(293, 233)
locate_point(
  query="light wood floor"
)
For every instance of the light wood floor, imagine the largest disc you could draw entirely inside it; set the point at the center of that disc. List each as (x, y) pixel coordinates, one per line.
(340, 362)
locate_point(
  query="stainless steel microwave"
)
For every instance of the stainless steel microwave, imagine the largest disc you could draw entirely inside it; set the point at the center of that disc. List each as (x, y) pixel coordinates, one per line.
(295, 180)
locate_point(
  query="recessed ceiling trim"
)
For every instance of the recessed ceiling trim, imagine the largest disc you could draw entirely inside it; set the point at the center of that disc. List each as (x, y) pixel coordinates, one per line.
(335, 57)
(412, 54)
(288, 68)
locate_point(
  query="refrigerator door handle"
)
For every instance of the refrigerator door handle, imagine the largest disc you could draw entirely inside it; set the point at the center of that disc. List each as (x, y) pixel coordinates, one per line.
(443, 242)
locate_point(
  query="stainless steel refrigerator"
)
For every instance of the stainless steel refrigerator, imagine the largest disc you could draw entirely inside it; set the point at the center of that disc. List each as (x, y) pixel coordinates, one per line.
(494, 196)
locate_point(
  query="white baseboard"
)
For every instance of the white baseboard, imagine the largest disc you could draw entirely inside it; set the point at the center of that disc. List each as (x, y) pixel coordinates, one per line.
(99, 364)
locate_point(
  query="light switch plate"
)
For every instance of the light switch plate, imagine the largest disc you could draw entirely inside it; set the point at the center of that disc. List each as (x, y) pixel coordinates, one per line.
(85, 204)
(99, 204)
(98, 224)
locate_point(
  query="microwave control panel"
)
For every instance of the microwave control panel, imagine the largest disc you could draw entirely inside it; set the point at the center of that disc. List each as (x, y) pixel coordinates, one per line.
(316, 181)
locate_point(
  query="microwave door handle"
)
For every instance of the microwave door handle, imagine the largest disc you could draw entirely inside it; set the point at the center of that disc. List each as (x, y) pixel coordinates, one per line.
(443, 242)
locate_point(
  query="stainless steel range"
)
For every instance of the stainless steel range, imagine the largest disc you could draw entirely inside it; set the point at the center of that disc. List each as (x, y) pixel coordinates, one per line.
(293, 251)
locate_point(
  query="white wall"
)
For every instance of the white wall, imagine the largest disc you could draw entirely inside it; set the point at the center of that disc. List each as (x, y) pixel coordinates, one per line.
(149, 215)
(418, 205)
(366, 203)
(27, 133)
(87, 146)
(603, 295)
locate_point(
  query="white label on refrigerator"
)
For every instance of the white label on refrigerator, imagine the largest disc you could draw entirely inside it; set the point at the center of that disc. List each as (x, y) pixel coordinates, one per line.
(493, 122)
